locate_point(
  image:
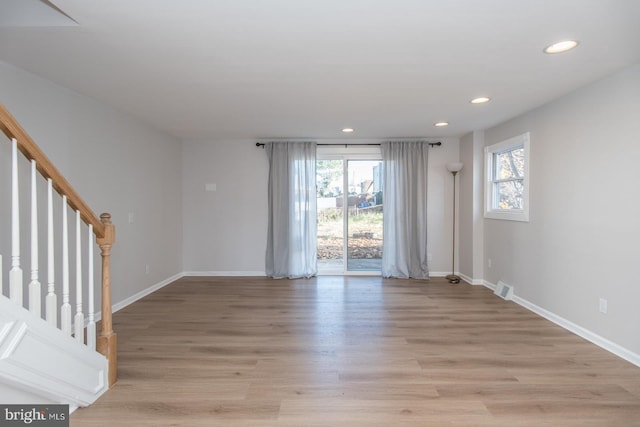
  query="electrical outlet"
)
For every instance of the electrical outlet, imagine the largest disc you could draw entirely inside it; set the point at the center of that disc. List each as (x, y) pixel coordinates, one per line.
(489, 262)
(132, 217)
(429, 257)
(211, 187)
(146, 269)
(603, 306)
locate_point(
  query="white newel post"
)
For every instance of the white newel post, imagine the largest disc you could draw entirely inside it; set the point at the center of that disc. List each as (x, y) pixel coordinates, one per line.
(78, 319)
(15, 274)
(35, 303)
(91, 325)
(65, 311)
(51, 301)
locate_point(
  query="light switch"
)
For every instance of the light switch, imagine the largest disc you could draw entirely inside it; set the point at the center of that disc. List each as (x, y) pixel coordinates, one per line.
(210, 187)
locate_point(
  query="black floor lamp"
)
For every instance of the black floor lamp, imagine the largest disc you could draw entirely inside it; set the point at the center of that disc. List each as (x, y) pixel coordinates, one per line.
(454, 168)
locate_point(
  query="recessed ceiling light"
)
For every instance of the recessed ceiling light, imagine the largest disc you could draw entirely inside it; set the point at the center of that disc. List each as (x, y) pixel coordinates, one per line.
(347, 130)
(560, 47)
(480, 100)
(440, 124)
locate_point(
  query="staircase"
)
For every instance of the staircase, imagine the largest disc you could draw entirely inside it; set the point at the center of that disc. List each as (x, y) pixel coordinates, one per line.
(49, 348)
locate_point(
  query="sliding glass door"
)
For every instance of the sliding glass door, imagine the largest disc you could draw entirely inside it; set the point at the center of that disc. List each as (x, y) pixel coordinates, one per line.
(364, 216)
(330, 196)
(350, 209)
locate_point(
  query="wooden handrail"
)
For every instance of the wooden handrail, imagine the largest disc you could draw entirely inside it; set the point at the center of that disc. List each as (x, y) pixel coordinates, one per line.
(31, 151)
(103, 229)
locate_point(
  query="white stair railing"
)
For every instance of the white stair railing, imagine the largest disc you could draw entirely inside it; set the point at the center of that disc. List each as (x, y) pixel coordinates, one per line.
(101, 229)
(77, 327)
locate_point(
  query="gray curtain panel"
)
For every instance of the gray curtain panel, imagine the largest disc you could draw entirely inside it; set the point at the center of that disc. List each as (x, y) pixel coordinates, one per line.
(292, 230)
(405, 166)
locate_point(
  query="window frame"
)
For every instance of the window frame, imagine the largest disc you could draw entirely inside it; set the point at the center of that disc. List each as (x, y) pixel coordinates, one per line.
(490, 153)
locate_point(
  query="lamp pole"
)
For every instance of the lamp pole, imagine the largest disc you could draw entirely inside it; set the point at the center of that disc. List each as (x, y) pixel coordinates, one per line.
(454, 168)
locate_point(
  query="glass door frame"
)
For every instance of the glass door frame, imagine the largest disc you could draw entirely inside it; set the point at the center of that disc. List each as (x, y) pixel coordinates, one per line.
(345, 153)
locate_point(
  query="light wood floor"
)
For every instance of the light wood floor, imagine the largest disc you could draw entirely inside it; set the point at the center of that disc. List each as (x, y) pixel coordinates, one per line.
(354, 351)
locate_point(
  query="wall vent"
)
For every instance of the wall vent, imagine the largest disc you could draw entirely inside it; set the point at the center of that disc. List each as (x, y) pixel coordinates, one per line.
(504, 291)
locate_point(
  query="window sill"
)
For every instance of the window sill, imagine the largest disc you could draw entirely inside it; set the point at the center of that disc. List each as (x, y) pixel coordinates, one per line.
(508, 216)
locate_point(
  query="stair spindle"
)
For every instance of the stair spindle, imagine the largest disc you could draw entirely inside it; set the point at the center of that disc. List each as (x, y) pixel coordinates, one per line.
(65, 311)
(91, 325)
(51, 301)
(78, 319)
(15, 274)
(35, 300)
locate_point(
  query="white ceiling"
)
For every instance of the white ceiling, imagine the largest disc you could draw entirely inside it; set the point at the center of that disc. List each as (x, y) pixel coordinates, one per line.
(307, 68)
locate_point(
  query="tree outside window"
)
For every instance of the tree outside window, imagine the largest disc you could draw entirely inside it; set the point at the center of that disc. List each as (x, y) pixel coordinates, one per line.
(507, 166)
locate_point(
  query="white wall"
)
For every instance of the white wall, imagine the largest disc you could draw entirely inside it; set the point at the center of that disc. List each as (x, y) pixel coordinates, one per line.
(117, 164)
(440, 206)
(581, 243)
(225, 231)
(466, 209)
(471, 215)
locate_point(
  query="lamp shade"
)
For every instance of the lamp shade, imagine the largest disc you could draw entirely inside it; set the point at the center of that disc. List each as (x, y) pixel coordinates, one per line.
(454, 167)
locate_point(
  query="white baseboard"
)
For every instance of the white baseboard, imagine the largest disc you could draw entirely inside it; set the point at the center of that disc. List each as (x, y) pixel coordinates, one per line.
(222, 273)
(263, 274)
(489, 285)
(122, 304)
(438, 274)
(596, 339)
(470, 280)
(143, 293)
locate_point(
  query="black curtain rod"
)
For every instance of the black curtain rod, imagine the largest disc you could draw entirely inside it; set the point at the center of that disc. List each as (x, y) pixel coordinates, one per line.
(261, 144)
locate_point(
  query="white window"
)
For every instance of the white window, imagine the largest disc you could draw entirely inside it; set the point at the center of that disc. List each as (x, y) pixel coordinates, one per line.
(507, 179)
